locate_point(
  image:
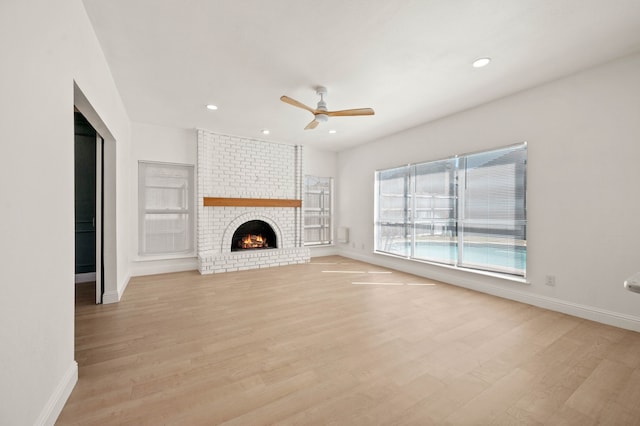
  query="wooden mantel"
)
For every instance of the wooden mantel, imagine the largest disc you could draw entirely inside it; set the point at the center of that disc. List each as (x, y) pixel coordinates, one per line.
(250, 202)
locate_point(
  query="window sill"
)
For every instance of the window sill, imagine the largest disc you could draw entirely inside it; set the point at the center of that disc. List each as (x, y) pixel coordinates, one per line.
(157, 257)
(507, 277)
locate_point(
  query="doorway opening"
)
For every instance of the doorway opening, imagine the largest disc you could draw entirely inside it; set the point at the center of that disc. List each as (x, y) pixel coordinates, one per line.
(88, 200)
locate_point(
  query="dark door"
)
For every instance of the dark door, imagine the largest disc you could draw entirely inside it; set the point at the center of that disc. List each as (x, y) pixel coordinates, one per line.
(85, 195)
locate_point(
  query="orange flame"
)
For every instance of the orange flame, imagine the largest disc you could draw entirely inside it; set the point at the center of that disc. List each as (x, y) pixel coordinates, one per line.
(253, 241)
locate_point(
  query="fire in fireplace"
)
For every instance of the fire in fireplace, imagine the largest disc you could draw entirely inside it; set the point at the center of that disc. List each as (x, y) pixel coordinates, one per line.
(253, 241)
(255, 234)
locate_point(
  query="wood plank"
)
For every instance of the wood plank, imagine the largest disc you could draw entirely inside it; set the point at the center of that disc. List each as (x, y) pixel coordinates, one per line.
(250, 202)
(294, 345)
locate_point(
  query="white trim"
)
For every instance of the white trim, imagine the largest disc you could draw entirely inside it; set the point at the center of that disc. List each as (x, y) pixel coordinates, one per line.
(110, 297)
(171, 256)
(115, 296)
(109, 186)
(85, 277)
(304, 192)
(502, 276)
(145, 168)
(98, 219)
(59, 397)
(616, 319)
(318, 251)
(166, 266)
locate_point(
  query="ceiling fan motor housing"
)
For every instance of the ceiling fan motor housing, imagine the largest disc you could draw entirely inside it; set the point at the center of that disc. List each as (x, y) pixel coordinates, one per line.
(322, 105)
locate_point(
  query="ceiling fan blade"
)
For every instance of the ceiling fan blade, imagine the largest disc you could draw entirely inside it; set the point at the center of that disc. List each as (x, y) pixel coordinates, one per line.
(312, 125)
(295, 103)
(350, 112)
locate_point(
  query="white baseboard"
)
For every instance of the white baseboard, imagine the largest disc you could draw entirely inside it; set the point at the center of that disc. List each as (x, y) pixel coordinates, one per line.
(110, 297)
(319, 251)
(86, 277)
(56, 402)
(125, 283)
(166, 266)
(629, 322)
(115, 295)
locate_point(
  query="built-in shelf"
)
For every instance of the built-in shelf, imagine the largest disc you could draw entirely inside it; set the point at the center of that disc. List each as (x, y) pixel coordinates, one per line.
(250, 202)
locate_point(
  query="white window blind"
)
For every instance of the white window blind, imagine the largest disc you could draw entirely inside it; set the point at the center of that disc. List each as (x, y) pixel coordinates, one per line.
(317, 201)
(392, 230)
(468, 211)
(165, 200)
(435, 205)
(493, 225)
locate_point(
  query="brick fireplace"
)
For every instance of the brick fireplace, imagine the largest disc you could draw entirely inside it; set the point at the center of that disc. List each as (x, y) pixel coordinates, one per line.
(244, 181)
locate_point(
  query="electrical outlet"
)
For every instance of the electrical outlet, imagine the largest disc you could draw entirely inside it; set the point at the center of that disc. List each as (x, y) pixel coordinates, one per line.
(550, 280)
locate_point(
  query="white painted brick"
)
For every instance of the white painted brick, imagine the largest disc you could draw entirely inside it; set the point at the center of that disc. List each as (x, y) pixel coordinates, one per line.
(246, 168)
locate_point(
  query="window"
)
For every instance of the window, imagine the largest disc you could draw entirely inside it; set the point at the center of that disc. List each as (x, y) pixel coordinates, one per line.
(317, 210)
(165, 203)
(468, 211)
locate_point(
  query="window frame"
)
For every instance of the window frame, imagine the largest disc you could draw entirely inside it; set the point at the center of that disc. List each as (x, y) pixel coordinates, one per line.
(459, 206)
(324, 214)
(188, 209)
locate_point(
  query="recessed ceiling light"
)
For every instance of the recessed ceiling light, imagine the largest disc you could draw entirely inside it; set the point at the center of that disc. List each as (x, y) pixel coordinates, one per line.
(332, 131)
(481, 62)
(265, 131)
(212, 107)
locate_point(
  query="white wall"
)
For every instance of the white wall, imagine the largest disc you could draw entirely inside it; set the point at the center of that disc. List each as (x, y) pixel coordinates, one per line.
(167, 144)
(583, 135)
(319, 162)
(161, 144)
(45, 47)
(323, 163)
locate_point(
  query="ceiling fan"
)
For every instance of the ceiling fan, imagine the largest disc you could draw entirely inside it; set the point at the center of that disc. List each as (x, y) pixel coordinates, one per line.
(321, 114)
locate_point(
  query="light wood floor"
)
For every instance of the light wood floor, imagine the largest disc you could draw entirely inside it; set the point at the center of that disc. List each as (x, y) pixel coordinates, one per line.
(305, 345)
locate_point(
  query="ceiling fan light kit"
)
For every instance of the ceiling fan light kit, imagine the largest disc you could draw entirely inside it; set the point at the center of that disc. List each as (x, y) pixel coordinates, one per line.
(321, 114)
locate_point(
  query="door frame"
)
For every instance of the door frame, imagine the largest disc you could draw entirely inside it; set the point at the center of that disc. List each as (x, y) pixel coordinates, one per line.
(109, 275)
(98, 225)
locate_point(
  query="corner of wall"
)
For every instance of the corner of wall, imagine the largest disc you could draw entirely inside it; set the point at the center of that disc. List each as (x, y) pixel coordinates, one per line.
(54, 405)
(115, 296)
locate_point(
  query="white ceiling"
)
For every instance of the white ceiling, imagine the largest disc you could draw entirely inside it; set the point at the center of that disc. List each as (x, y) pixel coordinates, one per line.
(409, 60)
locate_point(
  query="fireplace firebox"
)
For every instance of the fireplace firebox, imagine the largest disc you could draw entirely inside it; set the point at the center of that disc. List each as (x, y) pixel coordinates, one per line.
(253, 235)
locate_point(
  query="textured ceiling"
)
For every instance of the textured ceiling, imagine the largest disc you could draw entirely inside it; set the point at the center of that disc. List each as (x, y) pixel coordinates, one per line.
(409, 60)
